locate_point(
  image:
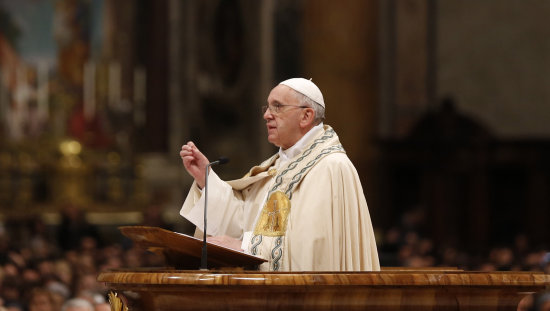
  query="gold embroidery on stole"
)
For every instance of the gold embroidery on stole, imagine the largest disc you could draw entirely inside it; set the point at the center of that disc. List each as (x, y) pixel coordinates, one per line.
(273, 219)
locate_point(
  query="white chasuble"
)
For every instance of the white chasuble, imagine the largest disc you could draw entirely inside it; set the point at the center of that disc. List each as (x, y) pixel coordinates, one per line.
(315, 217)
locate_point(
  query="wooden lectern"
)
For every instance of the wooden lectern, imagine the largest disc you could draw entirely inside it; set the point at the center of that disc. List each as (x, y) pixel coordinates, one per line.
(181, 251)
(239, 289)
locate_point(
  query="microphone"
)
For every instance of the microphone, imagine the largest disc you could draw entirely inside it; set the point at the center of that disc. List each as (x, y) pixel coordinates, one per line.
(220, 160)
(204, 255)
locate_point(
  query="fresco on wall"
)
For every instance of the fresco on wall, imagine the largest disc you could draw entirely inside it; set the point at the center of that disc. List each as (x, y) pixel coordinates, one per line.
(44, 46)
(60, 95)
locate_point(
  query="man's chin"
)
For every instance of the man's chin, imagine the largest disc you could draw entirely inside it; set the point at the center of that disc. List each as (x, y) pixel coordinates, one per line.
(272, 140)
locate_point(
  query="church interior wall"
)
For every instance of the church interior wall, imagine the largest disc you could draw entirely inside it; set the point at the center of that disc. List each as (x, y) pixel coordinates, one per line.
(131, 82)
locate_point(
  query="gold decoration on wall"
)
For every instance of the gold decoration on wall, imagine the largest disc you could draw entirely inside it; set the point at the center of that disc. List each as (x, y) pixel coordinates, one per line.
(71, 183)
(27, 166)
(5, 178)
(115, 191)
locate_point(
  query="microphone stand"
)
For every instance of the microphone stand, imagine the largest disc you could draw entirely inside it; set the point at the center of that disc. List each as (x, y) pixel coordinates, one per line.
(204, 254)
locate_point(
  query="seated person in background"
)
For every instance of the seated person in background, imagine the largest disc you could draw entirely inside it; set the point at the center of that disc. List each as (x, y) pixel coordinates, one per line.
(303, 209)
(77, 304)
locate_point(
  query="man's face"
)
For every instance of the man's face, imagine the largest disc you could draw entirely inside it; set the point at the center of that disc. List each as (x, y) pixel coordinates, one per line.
(283, 128)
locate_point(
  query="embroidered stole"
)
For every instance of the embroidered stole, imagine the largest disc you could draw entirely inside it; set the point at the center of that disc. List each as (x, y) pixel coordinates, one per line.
(272, 221)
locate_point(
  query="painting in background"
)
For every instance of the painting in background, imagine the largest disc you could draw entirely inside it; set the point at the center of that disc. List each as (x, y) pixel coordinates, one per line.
(64, 125)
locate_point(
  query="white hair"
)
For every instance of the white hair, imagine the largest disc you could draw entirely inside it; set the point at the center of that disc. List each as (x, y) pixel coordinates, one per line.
(306, 101)
(77, 303)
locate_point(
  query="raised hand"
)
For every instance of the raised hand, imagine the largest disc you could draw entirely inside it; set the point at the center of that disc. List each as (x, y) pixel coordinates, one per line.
(194, 161)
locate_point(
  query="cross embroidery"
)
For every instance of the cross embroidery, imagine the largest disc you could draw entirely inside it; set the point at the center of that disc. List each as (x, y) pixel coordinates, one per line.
(273, 217)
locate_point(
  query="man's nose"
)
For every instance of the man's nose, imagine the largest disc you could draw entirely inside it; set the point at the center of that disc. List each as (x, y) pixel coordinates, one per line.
(268, 115)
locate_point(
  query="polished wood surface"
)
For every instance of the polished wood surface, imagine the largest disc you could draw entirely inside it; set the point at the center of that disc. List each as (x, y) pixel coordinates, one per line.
(385, 290)
(182, 251)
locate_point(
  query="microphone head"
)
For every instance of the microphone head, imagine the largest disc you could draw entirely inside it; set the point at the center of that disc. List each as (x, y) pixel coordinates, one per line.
(223, 160)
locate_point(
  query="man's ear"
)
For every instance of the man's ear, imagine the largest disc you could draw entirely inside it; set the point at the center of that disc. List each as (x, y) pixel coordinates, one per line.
(308, 115)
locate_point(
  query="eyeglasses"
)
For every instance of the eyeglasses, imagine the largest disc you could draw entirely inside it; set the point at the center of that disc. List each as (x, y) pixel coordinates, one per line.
(276, 107)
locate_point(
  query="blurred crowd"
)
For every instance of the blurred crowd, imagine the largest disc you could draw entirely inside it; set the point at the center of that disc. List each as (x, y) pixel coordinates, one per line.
(51, 270)
(56, 270)
(404, 245)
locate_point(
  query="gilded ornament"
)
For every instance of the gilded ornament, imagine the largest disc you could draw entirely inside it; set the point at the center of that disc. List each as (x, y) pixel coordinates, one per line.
(274, 215)
(116, 303)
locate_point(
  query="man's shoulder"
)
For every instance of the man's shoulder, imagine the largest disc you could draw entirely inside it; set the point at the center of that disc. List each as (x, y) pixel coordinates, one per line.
(331, 166)
(335, 159)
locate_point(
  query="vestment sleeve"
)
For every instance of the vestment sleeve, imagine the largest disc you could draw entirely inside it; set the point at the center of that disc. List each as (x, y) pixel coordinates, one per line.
(225, 208)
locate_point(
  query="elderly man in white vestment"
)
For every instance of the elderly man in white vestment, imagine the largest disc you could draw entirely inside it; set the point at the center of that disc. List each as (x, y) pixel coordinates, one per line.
(303, 209)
